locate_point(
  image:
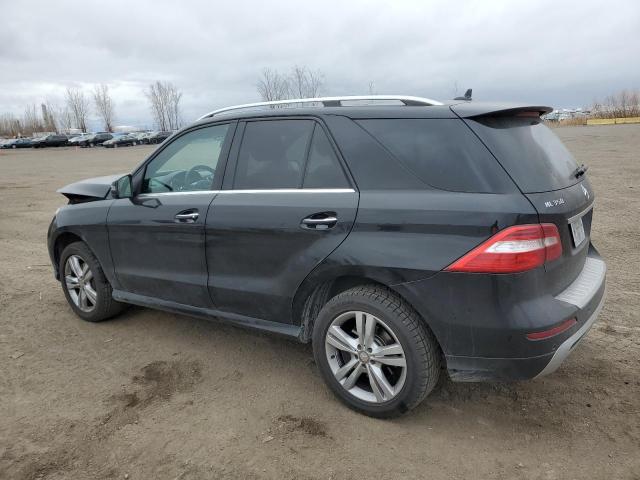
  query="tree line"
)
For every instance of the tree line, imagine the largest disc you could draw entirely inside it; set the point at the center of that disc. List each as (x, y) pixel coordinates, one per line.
(164, 99)
(623, 104)
(78, 106)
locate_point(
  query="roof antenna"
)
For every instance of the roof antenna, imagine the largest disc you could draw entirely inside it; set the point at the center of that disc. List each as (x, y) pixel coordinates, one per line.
(467, 96)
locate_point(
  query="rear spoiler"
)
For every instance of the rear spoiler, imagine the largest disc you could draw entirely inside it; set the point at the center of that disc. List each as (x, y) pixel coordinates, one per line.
(478, 109)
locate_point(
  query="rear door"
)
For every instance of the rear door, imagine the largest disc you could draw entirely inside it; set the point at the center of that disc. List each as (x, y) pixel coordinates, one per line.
(286, 204)
(549, 176)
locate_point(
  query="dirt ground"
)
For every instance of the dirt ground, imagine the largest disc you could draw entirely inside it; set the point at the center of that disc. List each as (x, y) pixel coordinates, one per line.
(152, 395)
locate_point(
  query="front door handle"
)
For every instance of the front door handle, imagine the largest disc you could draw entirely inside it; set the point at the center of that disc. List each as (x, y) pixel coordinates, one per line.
(187, 217)
(320, 221)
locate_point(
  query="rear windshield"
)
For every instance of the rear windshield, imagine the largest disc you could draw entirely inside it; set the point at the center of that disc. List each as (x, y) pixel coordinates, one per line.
(532, 154)
(442, 153)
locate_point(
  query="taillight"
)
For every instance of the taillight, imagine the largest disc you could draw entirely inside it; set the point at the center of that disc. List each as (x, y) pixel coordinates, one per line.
(514, 249)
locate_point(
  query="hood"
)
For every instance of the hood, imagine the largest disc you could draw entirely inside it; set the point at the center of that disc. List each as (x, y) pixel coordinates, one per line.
(90, 189)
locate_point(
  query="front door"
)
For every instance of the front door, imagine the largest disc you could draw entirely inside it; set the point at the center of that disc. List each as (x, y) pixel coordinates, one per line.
(157, 238)
(287, 206)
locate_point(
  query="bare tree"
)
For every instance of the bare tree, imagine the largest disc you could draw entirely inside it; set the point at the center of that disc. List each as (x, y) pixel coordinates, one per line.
(304, 83)
(31, 122)
(164, 98)
(300, 83)
(623, 104)
(273, 86)
(105, 107)
(174, 96)
(79, 107)
(65, 119)
(372, 88)
(10, 125)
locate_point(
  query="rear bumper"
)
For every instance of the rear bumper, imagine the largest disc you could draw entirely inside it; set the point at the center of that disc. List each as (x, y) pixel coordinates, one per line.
(565, 348)
(481, 321)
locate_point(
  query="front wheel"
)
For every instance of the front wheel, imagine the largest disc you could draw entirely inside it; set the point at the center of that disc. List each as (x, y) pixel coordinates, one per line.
(375, 352)
(85, 286)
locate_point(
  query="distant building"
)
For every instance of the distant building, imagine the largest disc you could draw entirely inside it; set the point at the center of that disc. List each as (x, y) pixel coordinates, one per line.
(565, 114)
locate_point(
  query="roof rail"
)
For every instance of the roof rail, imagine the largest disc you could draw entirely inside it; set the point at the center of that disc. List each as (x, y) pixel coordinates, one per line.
(329, 102)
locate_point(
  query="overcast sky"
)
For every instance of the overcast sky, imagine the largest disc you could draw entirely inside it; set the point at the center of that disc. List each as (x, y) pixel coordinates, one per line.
(559, 53)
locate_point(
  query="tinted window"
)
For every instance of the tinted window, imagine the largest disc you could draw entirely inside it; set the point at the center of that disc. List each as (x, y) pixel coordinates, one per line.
(272, 154)
(323, 168)
(188, 163)
(442, 153)
(532, 154)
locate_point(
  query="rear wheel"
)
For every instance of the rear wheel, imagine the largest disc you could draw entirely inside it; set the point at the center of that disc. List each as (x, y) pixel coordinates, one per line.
(375, 352)
(86, 288)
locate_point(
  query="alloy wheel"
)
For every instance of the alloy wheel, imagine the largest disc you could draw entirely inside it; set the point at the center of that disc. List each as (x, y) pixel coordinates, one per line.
(80, 283)
(366, 357)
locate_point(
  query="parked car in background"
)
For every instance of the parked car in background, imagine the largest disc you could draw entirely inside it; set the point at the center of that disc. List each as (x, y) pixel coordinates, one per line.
(159, 137)
(17, 143)
(95, 139)
(124, 140)
(78, 138)
(50, 141)
(145, 136)
(140, 136)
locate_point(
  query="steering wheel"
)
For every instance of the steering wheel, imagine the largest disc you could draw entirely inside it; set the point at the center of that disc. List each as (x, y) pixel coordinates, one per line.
(193, 175)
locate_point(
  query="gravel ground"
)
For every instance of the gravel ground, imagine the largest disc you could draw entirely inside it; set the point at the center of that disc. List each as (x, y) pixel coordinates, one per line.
(152, 395)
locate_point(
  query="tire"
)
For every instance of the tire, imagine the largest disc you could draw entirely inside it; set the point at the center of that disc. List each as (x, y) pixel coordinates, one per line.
(13, 146)
(392, 317)
(104, 306)
(91, 145)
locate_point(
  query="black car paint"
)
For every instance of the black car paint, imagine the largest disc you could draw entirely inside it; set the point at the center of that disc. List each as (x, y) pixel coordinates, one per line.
(262, 264)
(50, 141)
(93, 140)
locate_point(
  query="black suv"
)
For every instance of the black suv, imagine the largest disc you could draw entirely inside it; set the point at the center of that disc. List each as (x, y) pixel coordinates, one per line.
(50, 141)
(399, 240)
(94, 140)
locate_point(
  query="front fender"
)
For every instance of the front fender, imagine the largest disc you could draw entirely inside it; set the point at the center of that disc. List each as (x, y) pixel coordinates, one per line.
(86, 222)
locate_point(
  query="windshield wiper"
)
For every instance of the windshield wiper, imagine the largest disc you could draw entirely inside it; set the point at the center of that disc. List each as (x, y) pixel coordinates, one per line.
(580, 171)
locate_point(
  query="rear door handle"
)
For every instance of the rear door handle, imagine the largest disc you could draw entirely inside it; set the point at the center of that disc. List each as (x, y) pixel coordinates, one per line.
(320, 221)
(187, 217)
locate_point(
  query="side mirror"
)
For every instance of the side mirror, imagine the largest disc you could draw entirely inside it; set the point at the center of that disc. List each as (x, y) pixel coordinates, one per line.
(121, 188)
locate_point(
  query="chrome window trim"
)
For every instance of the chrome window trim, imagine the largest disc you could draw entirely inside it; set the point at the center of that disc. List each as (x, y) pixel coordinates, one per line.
(271, 190)
(187, 192)
(292, 190)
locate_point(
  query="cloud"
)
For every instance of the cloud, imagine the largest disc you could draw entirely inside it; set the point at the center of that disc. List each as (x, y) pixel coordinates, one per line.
(558, 53)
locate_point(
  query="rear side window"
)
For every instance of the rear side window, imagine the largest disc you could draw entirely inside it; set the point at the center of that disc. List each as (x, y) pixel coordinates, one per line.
(323, 168)
(273, 154)
(442, 153)
(532, 154)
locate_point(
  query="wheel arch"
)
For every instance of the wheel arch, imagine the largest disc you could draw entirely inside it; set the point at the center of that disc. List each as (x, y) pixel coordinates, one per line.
(318, 289)
(62, 241)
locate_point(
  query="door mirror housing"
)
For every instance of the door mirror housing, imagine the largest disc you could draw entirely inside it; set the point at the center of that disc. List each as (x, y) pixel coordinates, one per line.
(121, 188)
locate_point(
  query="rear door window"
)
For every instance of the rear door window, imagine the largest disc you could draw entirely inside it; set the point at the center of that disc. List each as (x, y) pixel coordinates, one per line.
(442, 153)
(323, 168)
(532, 154)
(272, 154)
